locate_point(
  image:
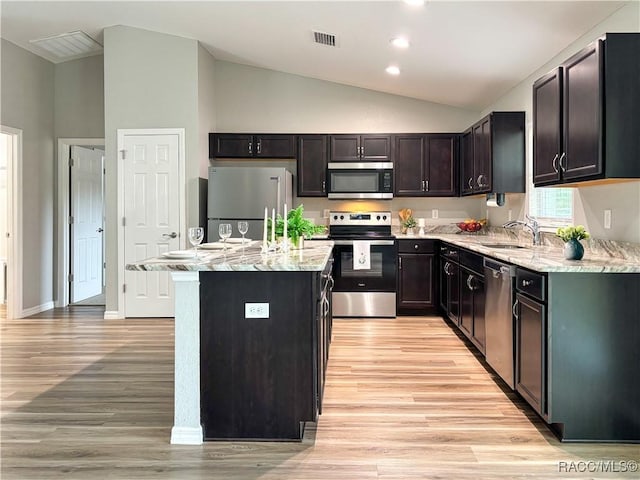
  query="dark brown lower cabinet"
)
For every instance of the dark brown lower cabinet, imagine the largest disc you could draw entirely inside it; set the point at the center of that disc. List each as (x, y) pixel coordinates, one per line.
(472, 300)
(530, 317)
(416, 277)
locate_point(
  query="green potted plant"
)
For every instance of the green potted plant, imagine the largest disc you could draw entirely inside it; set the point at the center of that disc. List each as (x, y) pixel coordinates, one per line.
(409, 224)
(571, 236)
(298, 227)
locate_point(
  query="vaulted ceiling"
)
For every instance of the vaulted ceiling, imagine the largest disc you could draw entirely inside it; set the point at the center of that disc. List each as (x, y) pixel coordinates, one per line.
(464, 54)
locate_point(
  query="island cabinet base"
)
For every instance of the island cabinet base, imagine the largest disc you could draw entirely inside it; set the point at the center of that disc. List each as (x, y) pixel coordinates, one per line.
(258, 375)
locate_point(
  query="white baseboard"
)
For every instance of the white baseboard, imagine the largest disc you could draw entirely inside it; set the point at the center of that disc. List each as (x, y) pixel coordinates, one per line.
(186, 435)
(37, 309)
(113, 315)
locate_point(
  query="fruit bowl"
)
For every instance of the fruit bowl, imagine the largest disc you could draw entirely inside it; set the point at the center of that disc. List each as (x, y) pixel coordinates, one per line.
(471, 226)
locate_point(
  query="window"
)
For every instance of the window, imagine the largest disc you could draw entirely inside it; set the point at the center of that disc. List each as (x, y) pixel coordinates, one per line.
(552, 207)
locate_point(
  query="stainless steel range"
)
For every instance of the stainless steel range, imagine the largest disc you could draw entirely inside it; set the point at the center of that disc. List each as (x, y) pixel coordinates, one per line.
(365, 264)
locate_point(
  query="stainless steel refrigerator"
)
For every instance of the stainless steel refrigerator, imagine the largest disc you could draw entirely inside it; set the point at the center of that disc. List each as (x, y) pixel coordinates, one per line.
(241, 193)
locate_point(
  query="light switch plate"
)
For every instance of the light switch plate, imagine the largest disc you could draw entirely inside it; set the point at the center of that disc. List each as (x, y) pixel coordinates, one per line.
(434, 213)
(607, 219)
(256, 310)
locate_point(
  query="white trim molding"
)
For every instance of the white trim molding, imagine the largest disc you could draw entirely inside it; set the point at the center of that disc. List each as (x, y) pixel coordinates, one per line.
(64, 146)
(37, 309)
(14, 245)
(121, 133)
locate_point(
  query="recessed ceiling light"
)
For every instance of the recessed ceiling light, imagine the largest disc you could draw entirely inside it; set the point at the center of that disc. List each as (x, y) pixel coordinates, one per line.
(392, 70)
(400, 42)
(414, 3)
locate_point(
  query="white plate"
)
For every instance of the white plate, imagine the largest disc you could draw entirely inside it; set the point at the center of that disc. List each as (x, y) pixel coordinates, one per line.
(180, 254)
(238, 240)
(211, 246)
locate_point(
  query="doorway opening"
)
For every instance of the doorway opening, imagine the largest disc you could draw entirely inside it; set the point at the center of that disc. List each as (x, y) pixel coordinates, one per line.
(10, 222)
(81, 279)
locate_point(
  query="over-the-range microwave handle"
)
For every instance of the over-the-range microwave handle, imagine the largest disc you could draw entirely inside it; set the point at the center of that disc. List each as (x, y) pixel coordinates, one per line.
(277, 180)
(373, 243)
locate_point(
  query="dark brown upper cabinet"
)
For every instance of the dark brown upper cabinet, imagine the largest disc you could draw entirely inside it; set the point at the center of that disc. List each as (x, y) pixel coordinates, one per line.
(235, 145)
(425, 165)
(493, 158)
(360, 148)
(312, 165)
(585, 114)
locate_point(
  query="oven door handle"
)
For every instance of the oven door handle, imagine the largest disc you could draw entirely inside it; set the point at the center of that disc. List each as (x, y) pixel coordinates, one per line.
(373, 243)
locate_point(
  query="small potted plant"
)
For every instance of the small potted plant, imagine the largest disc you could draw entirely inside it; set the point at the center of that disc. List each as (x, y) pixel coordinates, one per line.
(298, 227)
(409, 224)
(571, 236)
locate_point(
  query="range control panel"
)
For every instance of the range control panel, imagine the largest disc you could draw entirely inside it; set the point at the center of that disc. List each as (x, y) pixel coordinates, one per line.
(364, 219)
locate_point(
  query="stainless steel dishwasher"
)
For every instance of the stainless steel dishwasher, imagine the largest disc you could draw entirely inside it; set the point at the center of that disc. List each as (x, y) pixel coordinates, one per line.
(498, 278)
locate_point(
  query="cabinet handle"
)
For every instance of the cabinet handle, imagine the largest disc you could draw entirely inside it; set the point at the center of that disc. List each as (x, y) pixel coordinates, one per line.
(259, 147)
(563, 168)
(469, 280)
(423, 185)
(250, 148)
(554, 164)
(415, 246)
(480, 182)
(526, 283)
(514, 309)
(470, 182)
(446, 268)
(426, 185)
(399, 263)
(324, 186)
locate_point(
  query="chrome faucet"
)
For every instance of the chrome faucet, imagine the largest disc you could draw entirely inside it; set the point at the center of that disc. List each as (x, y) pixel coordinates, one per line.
(531, 224)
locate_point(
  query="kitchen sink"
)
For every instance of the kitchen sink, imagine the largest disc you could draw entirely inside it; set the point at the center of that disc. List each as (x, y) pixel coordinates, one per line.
(509, 246)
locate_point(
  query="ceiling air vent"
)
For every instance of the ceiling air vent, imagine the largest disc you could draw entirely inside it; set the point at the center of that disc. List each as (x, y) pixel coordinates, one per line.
(324, 38)
(68, 46)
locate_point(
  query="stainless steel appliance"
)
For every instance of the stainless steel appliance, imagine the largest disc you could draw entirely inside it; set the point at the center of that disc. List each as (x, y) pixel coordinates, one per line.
(241, 193)
(367, 292)
(354, 180)
(499, 349)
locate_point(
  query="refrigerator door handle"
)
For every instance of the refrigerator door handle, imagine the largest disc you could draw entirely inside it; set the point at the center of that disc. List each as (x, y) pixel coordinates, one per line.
(277, 179)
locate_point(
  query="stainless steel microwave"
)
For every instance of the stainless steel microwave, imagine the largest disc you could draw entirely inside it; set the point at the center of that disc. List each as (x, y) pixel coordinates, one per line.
(360, 180)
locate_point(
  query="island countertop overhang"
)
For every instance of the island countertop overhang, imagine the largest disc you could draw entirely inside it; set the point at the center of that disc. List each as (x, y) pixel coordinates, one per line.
(313, 257)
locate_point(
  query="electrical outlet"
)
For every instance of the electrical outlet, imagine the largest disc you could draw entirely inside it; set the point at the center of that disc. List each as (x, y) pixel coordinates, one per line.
(256, 310)
(325, 213)
(607, 219)
(434, 213)
(510, 215)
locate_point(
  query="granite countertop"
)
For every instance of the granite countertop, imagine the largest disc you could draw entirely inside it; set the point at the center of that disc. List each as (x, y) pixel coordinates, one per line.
(247, 258)
(539, 258)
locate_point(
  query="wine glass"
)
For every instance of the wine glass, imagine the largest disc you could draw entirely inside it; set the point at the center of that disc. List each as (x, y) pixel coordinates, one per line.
(225, 232)
(196, 234)
(243, 228)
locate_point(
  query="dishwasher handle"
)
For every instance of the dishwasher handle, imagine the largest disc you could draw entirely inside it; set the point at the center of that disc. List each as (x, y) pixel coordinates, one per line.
(498, 269)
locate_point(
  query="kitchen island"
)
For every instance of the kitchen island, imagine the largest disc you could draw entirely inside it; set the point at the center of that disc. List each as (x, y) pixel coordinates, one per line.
(250, 341)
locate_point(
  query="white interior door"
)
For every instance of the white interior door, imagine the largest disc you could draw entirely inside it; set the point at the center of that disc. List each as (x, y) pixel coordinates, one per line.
(152, 219)
(87, 225)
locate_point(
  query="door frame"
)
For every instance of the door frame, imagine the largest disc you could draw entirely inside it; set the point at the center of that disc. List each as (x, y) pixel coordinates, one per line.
(14, 222)
(64, 236)
(182, 208)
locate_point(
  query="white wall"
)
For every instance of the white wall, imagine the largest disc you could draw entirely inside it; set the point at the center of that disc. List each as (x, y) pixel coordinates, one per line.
(251, 99)
(79, 98)
(27, 103)
(151, 81)
(590, 202)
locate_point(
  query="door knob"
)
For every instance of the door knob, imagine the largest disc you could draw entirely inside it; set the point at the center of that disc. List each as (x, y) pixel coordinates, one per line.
(100, 230)
(170, 235)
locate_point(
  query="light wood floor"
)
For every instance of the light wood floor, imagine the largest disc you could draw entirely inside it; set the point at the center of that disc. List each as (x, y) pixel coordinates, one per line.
(85, 398)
